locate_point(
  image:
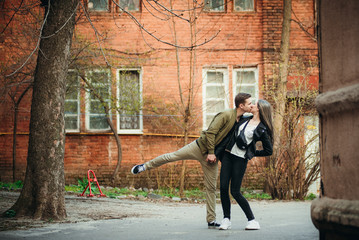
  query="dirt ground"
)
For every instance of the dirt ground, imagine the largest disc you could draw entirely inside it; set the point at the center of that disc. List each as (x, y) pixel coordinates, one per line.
(81, 209)
(146, 218)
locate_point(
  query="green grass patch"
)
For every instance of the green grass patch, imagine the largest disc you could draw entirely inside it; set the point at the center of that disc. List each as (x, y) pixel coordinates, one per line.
(311, 196)
(10, 214)
(195, 193)
(12, 186)
(164, 192)
(258, 196)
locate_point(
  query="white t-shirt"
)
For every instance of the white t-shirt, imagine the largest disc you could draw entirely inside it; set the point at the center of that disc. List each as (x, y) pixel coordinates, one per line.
(248, 133)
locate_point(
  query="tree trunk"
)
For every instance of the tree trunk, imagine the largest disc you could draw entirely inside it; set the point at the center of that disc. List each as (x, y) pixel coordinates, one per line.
(112, 127)
(281, 94)
(119, 150)
(16, 107)
(43, 194)
(16, 111)
(183, 167)
(192, 69)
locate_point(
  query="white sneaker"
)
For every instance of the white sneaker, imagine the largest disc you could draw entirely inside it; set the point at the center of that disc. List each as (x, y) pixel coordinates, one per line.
(225, 224)
(253, 225)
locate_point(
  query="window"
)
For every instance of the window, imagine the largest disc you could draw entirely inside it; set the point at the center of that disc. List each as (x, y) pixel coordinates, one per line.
(130, 5)
(214, 5)
(95, 113)
(72, 103)
(98, 5)
(243, 5)
(129, 91)
(246, 80)
(215, 93)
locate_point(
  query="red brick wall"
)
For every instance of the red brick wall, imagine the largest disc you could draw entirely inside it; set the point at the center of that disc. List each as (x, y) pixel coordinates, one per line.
(244, 39)
(303, 45)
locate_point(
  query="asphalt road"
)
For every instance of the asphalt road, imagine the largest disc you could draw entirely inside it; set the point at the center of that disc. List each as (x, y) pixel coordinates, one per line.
(279, 220)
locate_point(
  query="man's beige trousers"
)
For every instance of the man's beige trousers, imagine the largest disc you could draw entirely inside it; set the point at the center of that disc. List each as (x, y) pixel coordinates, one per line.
(192, 152)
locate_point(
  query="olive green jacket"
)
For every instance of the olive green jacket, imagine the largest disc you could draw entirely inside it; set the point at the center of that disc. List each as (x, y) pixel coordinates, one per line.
(220, 126)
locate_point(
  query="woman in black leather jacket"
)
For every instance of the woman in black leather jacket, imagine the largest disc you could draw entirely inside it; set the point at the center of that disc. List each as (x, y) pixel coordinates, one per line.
(240, 148)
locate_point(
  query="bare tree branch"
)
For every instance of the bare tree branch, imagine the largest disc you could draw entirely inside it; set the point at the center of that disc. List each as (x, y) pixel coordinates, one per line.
(97, 34)
(302, 27)
(141, 26)
(37, 44)
(170, 11)
(15, 12)
(163, 19)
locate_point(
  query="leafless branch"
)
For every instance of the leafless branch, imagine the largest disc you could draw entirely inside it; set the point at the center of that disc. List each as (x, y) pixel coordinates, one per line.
(37, 44)
(154, 15)
(97, 34)
(141, 26)
(15, 12)
(297, 21)
(171, 12)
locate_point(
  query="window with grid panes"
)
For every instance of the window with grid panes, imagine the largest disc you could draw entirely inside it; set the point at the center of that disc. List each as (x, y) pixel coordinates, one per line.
(214, 5)
(246, 80)
(95, 113)
(215, 94)
(243, 5)
(129, 100)
(98, 5)
(72, 102)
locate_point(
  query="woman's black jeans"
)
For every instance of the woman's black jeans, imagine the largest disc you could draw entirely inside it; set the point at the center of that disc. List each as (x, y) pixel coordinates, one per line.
(232, 170)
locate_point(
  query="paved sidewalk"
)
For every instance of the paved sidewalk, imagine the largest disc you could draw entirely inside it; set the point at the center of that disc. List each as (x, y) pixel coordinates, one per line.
(279, 220)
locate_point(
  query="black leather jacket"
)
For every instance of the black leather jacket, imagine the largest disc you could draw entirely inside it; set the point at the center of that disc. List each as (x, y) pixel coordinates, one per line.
(260, 134)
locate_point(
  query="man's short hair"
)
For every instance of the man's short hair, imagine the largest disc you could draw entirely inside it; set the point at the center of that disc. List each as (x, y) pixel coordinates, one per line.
(241, 98)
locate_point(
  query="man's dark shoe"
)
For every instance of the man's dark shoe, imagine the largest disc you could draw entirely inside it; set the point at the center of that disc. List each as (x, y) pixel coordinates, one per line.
(213, 225)
(138, 168)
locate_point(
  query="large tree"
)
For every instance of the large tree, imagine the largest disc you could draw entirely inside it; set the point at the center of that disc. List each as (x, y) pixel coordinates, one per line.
(294, 165)
(42, 196)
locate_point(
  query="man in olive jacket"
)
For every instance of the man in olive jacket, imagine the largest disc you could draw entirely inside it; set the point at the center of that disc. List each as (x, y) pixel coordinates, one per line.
(202, 150)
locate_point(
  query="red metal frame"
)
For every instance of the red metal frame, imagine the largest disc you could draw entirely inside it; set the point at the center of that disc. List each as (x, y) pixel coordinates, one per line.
(89, 185)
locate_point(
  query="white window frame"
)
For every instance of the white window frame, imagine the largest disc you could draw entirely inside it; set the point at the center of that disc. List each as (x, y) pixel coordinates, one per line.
(256, 87)
(237, 9)
(78, 107)
(129, 131)
(88, 114)
(204, 92)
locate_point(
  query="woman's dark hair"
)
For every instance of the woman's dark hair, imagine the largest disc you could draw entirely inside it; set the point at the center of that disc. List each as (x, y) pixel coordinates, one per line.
(265, 115)
(241, 98)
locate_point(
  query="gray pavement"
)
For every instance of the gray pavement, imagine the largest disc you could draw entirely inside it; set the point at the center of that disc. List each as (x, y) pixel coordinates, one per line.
(278, 220)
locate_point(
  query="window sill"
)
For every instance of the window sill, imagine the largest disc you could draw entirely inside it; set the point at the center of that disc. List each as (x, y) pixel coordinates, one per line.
(130, 132)
(215, 12)
(98, 133)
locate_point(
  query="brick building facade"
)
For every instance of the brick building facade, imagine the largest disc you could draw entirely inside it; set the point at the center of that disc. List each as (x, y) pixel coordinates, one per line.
(240, 57)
